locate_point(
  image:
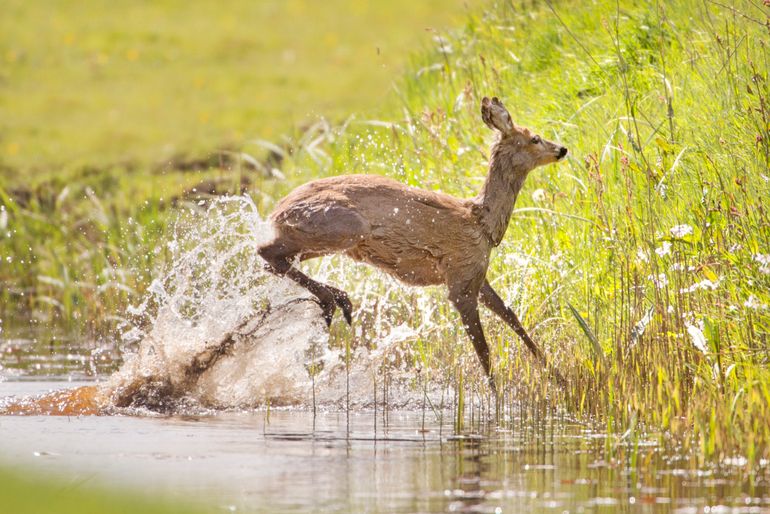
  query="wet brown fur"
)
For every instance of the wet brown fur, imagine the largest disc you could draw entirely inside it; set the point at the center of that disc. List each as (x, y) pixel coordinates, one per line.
(421, 237)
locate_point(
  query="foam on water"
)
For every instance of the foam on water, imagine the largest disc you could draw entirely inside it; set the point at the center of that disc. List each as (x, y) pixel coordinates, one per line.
(218, 331)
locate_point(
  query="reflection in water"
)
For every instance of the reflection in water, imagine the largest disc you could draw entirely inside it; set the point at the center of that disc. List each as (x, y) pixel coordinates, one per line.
(27, 352)
(257, 461)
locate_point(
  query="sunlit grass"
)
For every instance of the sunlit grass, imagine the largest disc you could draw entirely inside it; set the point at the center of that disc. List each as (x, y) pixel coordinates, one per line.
(655, 230)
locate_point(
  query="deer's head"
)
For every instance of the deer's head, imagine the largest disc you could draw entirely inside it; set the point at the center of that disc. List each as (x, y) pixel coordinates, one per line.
(525, 148)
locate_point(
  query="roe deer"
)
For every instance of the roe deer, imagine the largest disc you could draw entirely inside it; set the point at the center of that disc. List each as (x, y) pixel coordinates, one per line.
(421, 237)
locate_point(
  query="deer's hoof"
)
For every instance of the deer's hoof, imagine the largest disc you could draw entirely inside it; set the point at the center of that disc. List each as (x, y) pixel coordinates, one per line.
(492, 385)
(328, 307)
(329, 303)
(342, 300)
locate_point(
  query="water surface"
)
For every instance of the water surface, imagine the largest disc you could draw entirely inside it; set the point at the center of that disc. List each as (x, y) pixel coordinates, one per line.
(291, 461)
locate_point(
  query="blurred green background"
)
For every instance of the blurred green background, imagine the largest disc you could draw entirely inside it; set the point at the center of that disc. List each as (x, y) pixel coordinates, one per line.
(99, 82)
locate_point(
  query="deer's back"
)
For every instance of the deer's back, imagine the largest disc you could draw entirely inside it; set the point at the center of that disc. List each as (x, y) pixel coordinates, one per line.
(415, 234)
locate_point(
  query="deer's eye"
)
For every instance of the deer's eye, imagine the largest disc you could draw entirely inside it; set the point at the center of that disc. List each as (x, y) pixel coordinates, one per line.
(535, 140)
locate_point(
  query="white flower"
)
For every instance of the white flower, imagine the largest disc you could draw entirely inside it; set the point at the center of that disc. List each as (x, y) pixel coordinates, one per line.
(538, 195)
(754, 303)
(678, 266)
(681, 230)
(703, 284)
(642, 255)
(764, 263)
(664, 249)
(697, 338)
(660, 281)
(443, 44)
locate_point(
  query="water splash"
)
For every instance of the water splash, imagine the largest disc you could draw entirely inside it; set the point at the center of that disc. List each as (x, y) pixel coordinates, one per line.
(218, 331)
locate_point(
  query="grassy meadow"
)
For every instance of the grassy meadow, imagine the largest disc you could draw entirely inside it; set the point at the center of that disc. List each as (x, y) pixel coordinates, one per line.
(92, 85)
(642, 263)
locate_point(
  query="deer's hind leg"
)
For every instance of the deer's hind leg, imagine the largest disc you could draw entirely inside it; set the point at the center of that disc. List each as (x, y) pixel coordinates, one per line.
(334, 232)
(279, 258)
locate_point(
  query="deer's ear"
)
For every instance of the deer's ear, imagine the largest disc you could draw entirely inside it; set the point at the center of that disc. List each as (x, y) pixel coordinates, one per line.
(486, 113)
(496, 116)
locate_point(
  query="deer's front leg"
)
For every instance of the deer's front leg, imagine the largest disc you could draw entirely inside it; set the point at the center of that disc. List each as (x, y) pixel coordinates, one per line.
(465, 300)
(492, 300)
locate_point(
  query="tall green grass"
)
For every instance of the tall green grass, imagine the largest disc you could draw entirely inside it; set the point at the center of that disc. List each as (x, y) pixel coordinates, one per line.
(642, 264)
(655, 230)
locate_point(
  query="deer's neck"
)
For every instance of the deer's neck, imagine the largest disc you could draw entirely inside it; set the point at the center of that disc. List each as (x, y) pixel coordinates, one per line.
(494, 204)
